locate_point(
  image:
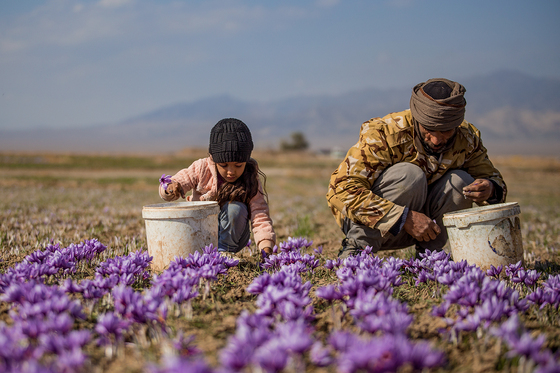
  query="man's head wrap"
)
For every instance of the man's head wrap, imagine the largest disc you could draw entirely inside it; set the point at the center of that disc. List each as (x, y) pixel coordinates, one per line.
(438, 104)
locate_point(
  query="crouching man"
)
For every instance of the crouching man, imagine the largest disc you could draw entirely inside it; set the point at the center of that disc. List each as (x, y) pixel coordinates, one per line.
(408, 169)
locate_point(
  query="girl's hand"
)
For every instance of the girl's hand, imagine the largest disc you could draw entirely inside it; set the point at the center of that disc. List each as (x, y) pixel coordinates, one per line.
(175, 189)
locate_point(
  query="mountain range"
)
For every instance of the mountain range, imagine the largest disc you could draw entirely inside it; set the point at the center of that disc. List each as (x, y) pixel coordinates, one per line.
(516, 113)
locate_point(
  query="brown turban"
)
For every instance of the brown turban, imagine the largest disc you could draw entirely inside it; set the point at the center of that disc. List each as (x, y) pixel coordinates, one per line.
(438, 114)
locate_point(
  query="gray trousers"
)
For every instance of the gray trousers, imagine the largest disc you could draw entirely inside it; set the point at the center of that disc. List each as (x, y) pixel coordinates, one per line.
(233, 231)
(405, 184)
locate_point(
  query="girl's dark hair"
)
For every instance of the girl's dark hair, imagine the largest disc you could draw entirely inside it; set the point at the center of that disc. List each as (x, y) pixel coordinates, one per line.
(244, 188)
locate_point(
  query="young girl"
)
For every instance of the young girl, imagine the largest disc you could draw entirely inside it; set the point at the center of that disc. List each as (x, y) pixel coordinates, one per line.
(231, 177)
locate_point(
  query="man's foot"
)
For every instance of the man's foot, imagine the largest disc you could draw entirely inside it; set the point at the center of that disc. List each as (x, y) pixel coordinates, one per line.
(349, 248)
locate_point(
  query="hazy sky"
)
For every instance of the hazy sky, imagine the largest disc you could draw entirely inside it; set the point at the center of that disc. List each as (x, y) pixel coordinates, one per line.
(73, 63)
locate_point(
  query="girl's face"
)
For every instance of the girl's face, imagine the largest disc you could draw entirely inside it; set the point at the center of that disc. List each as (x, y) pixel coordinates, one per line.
(231, 171)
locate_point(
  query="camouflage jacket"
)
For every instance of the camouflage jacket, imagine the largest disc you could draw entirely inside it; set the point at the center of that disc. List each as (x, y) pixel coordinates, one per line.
(389, 140)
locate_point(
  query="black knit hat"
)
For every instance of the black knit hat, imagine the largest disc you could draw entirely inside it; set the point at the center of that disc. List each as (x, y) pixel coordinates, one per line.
(230, 141)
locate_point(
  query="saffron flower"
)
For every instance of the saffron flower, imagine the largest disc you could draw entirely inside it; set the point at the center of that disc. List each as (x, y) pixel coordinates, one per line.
(183, 364)
(164, 181)
(494, 271)
(328, 293)
(512, 269)
(109, 324)
(321, 355)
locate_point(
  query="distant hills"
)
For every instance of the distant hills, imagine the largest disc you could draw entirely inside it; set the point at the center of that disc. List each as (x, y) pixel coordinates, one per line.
(516, 113)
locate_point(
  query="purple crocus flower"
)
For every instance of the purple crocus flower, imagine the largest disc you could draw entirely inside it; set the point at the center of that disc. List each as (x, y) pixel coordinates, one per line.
(494, 271)
(537, 297)
(110, 324)
(294, 336)
(61, 323)
(551, 288)
(532, 278)
(292, 312)
(91, 291)
(341, 340)
(295, 244)
(236, 355)
(252, 331)
(332, 264)
(165, 180)
(526, 345)
(509, 330)
(33, 328)
(328, 293)
(379, 312)
(441, 310)
(259, 284)
(469, 323)
(184, 345)
(552, 284)
(184, 294)
(492, 309)
(448, 278)
(383, 354)
(519, 276)
(512, 269)
(271, 357)
(423, 356)
(70, 360)
(320, 355)
(71, 287)
(424, 276)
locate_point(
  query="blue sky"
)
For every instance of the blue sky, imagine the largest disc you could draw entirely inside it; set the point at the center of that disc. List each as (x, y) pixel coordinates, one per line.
(67, 63)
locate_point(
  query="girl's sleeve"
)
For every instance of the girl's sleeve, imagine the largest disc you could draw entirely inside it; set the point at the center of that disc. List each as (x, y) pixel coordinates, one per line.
(187, 177)
(261, 223)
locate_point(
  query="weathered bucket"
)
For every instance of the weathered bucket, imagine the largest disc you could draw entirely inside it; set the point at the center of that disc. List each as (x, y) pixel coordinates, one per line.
(486, 235)
(179, 228)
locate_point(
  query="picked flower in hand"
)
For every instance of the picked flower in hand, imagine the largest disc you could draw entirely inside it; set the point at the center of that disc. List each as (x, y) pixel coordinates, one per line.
(164, 181)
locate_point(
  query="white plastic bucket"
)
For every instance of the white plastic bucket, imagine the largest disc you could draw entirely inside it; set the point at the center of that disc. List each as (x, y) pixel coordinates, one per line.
(179, 228)
(486, 235)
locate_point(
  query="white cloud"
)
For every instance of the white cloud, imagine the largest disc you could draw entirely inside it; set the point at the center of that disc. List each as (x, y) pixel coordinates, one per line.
(185, 20)
(65, 23)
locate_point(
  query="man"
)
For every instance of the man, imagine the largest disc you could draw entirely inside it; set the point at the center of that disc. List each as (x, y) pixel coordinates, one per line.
(408, 169)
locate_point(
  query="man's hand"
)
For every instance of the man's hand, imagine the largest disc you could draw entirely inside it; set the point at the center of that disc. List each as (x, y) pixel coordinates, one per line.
(421, 227)
(479, 191)
(175, 189)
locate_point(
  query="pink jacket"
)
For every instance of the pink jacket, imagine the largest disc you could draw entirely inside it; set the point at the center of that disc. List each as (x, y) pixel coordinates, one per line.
(202, 178)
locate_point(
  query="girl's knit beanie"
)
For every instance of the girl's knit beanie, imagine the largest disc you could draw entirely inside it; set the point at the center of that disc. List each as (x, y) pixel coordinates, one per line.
(230, 141)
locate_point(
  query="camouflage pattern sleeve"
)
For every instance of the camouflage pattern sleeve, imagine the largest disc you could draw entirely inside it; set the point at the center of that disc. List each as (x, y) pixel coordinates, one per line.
(349, 194)
(479, 166)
